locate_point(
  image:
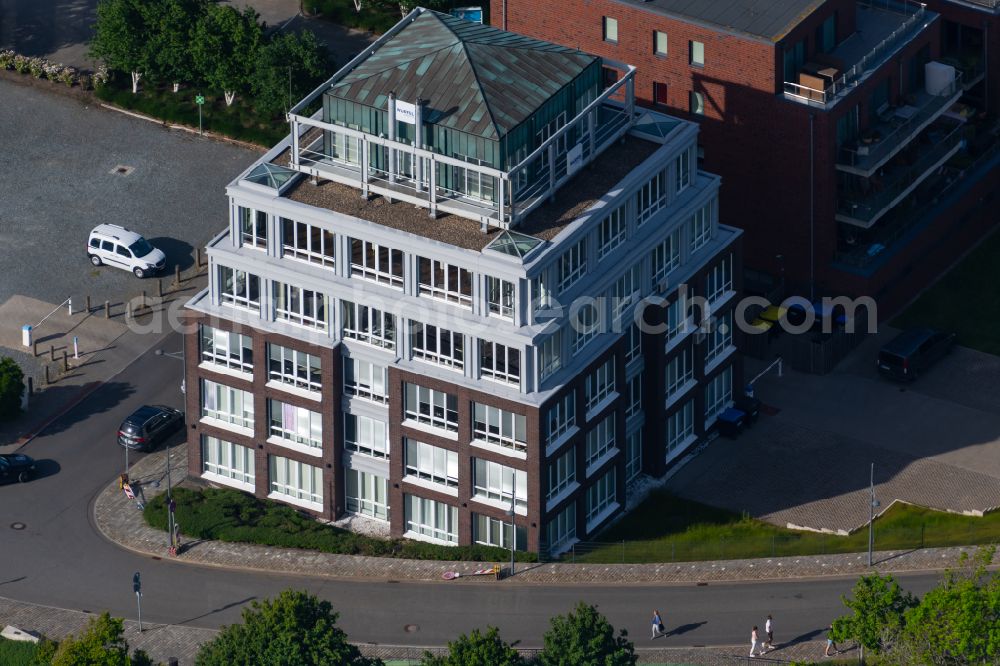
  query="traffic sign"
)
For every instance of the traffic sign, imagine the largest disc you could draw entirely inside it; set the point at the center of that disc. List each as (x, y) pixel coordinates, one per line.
(199, 99)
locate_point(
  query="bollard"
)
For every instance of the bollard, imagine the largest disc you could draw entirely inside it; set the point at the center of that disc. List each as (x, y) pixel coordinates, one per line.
(31, 385)
(34, 348)
(107, 309)
(128, 310)
(88, 303)
(65, 361)
(177, 275)
(52, 353)
(47, 382)
(197, 259)
(159, 288)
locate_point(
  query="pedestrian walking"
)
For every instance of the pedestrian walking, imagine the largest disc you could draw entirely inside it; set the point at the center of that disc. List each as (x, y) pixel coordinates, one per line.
(769, 631)
(830, 644)
(753, 640)
(657, 625)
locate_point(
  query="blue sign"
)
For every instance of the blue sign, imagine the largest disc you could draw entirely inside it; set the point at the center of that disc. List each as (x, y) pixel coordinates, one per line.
(474, 14)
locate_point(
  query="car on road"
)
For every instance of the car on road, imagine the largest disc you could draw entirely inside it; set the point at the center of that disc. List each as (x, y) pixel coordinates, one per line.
(913, 351)
(117, 246)
(16, 467)
(149, 425)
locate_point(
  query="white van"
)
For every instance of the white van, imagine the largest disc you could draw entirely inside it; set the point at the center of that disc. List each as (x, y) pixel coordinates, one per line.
(117, 246)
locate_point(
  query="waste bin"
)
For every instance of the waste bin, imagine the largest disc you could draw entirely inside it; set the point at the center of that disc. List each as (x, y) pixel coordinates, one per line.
(750, 406)
(731, 422)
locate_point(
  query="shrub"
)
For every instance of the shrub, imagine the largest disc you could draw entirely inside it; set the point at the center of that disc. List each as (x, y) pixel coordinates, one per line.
(51, 70)
(100, 77)
(7, 59)
(37, 67)
(84, 80)
(21, 64)
(68, 75)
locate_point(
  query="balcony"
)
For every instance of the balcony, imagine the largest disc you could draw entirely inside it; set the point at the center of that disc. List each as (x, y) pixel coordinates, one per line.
(869, 199)
(897, 127)
(990, 5)
(492, 197)
(883, 28)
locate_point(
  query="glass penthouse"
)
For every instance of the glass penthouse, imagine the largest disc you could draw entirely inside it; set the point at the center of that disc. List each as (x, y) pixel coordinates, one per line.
(423, 310)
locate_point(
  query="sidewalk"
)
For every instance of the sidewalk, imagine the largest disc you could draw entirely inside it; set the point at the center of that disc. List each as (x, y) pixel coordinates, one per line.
(120, 521)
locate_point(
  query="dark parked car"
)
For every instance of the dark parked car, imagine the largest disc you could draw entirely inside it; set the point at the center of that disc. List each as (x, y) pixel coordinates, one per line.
(912, 352)
(148, 426)
(16, 467)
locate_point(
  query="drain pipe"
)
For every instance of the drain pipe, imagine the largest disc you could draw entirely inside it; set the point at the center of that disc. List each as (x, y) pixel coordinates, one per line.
(812, 208)
(504, 10)
(986, 64)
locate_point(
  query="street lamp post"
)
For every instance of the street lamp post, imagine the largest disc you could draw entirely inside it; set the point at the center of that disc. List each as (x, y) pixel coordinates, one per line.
(872, 505)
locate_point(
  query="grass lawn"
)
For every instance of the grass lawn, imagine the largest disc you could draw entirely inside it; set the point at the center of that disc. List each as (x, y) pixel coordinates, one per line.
(17, 653)
(231, 515)
(966, 301)
(665, 528)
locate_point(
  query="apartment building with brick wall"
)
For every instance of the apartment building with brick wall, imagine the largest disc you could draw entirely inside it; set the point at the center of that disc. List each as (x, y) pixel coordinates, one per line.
(474, 280)
(857, 140)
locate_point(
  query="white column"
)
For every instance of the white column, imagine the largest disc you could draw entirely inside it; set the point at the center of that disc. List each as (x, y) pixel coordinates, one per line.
(391, 127)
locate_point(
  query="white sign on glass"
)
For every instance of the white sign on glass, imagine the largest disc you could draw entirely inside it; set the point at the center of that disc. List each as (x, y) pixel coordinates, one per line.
(406, 112)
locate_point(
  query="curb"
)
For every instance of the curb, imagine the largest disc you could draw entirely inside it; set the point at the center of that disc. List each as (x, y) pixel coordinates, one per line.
(169, 125)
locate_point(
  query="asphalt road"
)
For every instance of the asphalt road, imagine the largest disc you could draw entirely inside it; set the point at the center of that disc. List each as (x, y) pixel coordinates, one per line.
(61, 560)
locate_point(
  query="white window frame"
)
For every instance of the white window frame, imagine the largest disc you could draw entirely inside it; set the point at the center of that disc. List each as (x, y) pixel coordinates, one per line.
(602, 494)
(720, 337)
(430, 463)
(658, 49)
(228, 460)
(550, 354)
(633, 455)
(719, 279)
(601, 439)
(367, 436)
(501, 427)
(300, 306)
(306, 373)
(430, 518)
(437, 345)
(491, 481)
(305, 429)
(242, 288)
(500, 297)
(370, 325)
(678, 372)
(609, 29)
(295, 480)
(562, 473)
(625, 292)
(718, 393)
(499, 362)
(496, 533)
(680, 426)
(633, 403)
(443, 281)
(611, 232)
(696, 53)
(433, 408)
(651, 197)
(700, 227)
(225, 348)
(572, 264)
(633, 343)
(587, 324)
(298, 242)
(214, 395)
(253, 227)
(682, 170)
(666, 256)
(374, 266)
(600, 383)
(366, 380)
(560, 417)
(365, 501)
(562, 527)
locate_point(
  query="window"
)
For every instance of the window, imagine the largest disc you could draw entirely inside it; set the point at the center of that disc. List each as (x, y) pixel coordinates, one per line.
(826, 34)
(376, 262)
(239, 288)
(500, 297)
(225, 348)
(601, 495)
(500, 362)
(498, 426)
(228, 460)
(226, 404)
(429, 518)
(296, 480)
(701, 227)
(600, 383)
(666, 256)
(344, 148)
(572, 265)
(680, 426)
(367, 324)
(471, 182)
(560, 417)
(562, 528)
(720, 337)
(611, 232)
(306, 242)
(718, 393)
(634, 404)
(719, 280)
(660, 94)
(659, 43)
(434, 408)
(295, 424)
(562, 472)
(367, 380)
(676, 318)
(586, 324)
(300, 306)
(683, 171)
(697, 53)
(625, 292)
(549, 129)
(601, 439)
(633, 346)
(550, 353)
(696, 103)
(610, 29)
(431, 463)
(541, 294)
(680, 370)
(297, 368)
(492, 532)
(366, 435)
(253, 227)
(500, 483)
(437, 345)
(651, 197)
(633, 455)
(795, 56)
(440, 280)
(367, 494)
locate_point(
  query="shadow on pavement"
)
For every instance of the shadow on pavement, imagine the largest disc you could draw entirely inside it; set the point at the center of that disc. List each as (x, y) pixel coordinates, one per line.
(179, 253)
(46, 467)
(104, 399)
(685, 628)
(218, 610)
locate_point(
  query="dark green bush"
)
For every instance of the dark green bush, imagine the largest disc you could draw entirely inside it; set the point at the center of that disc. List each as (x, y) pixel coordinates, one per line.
(231, 515)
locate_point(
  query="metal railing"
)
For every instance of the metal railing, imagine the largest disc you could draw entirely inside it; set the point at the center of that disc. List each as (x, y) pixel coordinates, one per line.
(916, 12)
(869, 157)
(989, 4)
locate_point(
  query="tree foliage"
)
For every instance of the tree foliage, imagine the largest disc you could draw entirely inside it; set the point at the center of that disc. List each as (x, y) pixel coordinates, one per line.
(171, 25)
(878, 607)
(102, 643)
(122, 37)
(477, 649)
(292, 629)
(224, 48)
(584, 637)
(288, 68)
(11, 388)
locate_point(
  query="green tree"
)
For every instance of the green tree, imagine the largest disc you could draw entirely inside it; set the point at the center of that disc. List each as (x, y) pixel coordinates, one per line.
(224, 48)
(584, 637)
(957, 622)
(122, 37)
(477, 649)
(877, 613)
(292, 629)
(289, 67)
(11, 388)
(102, 643)
(171, 26)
